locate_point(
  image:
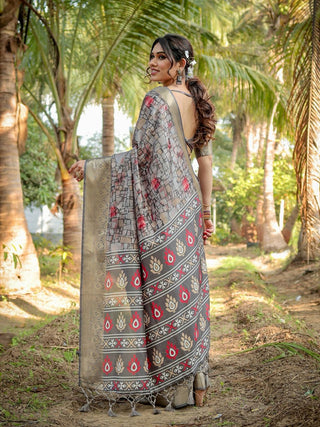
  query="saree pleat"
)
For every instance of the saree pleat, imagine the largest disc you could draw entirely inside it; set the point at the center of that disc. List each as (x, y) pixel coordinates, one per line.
(144, 288)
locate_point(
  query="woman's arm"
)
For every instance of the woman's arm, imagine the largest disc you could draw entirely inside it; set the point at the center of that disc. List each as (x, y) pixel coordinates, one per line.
(205, 180)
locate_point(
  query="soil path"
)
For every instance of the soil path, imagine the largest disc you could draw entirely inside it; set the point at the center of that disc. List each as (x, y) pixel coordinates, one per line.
(274, 309)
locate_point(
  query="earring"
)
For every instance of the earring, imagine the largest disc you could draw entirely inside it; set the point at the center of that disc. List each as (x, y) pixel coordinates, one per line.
(179, 77)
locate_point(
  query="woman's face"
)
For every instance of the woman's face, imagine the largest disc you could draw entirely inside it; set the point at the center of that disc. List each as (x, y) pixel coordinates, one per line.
(160, 67)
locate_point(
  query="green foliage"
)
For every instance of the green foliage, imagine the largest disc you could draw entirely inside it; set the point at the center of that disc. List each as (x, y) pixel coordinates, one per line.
(223, 237)
(37, 169)
(284, 183)
(243, 192)
(11, 252)
(70, 355)
(286, 349)
(53, 258)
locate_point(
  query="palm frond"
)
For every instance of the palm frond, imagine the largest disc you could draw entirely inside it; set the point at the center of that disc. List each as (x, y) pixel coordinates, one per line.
(304, 107)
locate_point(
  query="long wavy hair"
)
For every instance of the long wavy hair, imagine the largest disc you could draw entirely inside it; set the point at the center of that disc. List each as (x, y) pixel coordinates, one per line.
(177, 47)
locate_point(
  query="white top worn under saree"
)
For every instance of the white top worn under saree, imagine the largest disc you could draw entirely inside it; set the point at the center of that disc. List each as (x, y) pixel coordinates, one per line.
(144, 329)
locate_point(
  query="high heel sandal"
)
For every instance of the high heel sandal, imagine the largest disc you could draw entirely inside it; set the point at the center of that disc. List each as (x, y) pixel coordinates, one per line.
(199, 396)
(201, 385)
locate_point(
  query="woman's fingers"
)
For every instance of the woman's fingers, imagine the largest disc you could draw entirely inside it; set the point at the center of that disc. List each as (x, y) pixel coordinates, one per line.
(208, 225)
(77, 170)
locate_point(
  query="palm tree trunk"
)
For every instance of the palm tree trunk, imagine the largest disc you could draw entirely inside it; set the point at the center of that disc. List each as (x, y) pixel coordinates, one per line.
(108, 125)
(237, 128)
(72, 218)
(70, 199)
(288, 227)
(250, 149)
(262, 143)
(260, 155)
(19, 266)
(272, 239)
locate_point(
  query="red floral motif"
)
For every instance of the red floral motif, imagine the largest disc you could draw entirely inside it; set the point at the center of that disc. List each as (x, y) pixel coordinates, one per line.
(157, 311)
(169, 257)
(108, 283)
(136, 279)
(185, 184)
(108, 324)
(141, 222)
(169, 144)
(149, 363)
(144, 272)
(169, 125)
(196, 332)
(171, 350)
(148, 100)
(208, 311)
(107, 366)
(135, 322)
(155, 183)
(113, 211)
(190, 238)
(184, 294)
(134, 365)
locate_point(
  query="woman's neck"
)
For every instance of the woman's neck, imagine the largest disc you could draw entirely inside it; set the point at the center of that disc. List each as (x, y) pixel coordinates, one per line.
(181, 87)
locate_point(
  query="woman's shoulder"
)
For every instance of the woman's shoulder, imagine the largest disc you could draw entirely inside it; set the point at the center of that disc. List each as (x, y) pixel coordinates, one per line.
(156, 97)
(159, 92)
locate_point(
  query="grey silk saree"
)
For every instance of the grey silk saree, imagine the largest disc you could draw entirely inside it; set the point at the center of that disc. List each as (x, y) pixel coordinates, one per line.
(144, 331)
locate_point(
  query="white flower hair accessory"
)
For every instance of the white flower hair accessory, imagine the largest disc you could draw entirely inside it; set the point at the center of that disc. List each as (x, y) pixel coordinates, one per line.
(190, 64)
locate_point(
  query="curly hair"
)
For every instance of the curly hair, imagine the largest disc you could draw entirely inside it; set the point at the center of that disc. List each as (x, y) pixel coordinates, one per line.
(177, 47)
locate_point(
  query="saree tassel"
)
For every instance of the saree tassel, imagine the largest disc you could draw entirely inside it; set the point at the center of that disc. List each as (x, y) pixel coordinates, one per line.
(134, 413)
(152, 401)
(190, 398)
(111, 413)
(85, 407)
(169, 407)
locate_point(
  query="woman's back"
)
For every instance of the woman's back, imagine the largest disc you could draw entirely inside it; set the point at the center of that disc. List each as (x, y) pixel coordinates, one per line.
(187, 111)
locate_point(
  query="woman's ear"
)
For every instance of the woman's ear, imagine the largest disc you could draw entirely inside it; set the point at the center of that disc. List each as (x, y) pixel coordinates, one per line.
(182, 63)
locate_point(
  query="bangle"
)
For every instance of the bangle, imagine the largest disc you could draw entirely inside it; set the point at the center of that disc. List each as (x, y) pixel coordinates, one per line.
(206, 206)
(206, 214)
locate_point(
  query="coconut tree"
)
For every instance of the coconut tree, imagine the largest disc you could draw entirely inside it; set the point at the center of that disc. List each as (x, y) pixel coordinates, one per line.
(71, 62)
(302, 46)
(19, 267)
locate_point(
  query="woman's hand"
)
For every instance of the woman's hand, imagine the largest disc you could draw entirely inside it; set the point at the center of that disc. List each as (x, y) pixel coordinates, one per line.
(208, 229)
(77, 170)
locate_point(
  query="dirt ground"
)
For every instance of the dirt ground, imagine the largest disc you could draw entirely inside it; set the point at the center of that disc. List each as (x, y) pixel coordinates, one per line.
(264, 351)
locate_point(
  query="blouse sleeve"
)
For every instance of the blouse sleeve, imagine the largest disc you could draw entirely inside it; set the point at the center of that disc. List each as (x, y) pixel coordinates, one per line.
(206, 150)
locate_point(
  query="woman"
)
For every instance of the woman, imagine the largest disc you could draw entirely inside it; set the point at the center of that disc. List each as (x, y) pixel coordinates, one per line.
(144, 332)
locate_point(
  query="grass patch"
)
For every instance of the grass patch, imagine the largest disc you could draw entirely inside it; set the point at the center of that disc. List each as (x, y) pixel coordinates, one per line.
(40, 369)
(236, 263)
(240, 273)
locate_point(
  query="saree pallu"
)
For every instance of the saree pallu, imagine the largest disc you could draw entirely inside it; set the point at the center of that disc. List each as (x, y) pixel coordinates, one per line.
(144, 319)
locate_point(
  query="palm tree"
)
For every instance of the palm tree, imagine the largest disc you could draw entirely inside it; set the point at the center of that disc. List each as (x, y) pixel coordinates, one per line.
(302, 53)
(19, 267)
(272, 238)
(71, 63)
